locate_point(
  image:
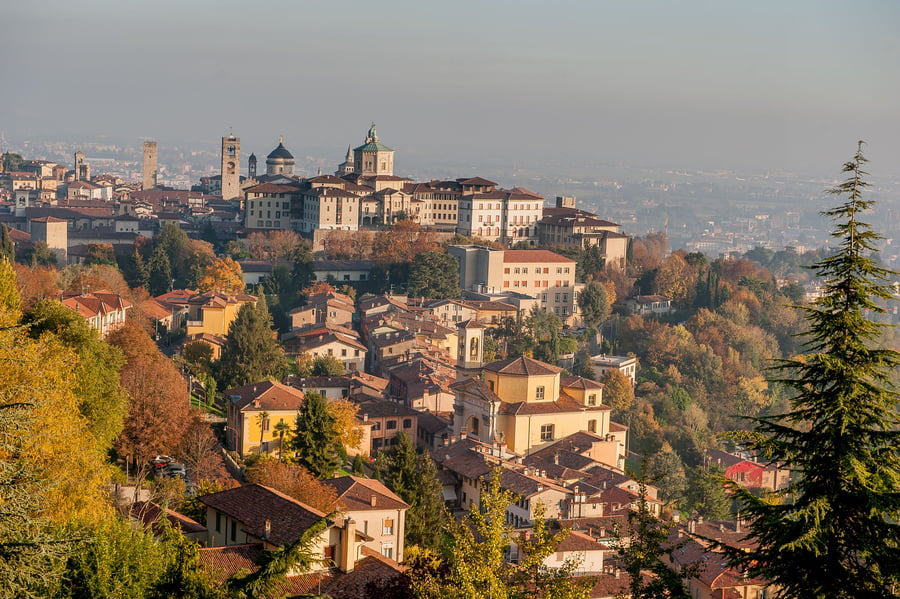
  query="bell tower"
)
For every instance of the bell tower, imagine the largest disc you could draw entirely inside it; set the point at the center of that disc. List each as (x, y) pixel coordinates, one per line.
(231, 160)
(470, 353)
(251, 166)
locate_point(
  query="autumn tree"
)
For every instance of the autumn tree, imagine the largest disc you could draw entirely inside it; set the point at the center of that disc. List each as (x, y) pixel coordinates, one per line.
(100, 253)
(618, 392)
(224, 275)
(293, 480)
(835, 532)
(101, 400)
(197, 448)
(316, 438)
(434, 275)
(413, 477)
(251, 352)
(159, 410)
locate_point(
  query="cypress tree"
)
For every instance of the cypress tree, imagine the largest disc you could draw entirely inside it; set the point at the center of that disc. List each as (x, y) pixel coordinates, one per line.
(834, 532)
(251, 352)
(160, 276)
(7, 248)
(413, 476)
(316, 438)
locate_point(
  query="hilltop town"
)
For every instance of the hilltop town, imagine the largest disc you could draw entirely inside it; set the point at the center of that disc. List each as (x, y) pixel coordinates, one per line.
(349, 363)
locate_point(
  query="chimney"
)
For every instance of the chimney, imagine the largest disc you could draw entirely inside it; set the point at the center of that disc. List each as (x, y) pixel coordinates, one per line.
(737, 522)
(268, 528)
(556, 458)
(373, 500)
(348, 546)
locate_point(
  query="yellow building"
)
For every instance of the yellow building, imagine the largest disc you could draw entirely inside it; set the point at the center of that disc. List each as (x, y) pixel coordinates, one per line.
(255, 412)
(213, 312)
(524, 404)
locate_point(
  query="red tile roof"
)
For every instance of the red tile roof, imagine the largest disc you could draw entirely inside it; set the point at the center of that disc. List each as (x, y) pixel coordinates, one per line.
(356, 493)
(265, 396)
(253, 505)
(522, 365)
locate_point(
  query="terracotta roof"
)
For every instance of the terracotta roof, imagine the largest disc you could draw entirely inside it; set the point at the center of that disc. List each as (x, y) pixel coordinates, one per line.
(577, 382)
(224, 562)
(149, 513)
(355, 494)
(48, 219)
(522, 365)
(527, 485)
(269, 395)
(476, 181)
(534, 257)
(373, 568)
(253, 505)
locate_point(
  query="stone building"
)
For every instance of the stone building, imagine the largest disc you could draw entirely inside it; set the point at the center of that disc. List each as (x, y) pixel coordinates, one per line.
(150, 165)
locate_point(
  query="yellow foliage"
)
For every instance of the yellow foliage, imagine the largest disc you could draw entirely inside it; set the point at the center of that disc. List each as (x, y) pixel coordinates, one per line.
(55, 441)
(344, 413)
(223, 275)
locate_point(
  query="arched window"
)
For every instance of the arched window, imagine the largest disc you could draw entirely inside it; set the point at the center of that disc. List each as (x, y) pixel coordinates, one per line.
(473, 347)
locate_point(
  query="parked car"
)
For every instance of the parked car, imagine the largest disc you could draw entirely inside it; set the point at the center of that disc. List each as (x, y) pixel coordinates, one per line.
(161, 461)
(175, 469)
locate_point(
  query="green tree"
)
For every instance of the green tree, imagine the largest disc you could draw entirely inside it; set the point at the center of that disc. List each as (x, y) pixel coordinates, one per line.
(648, 541)
(251, 352)
(475, 564)
(359, 465)
(11, 161)
(274, 566)
(413, 477)
(434, 275)
(835, 531)
(594, 304)
(326, 366)
(281, 428)
(262, 421)
(184, 576)
(101, 399)
(7, 247)
(705, 496)
(160, 272)
(316, 439)
(40, 254)
(135, 270)
(583, 366)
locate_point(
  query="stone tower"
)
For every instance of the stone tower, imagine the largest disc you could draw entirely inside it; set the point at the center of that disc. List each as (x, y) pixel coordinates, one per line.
(150, 165)
(251, 166)
(82, 168)
(231, 160)
(373, 157)
(470, 354)
(55, 233)
(346, 167)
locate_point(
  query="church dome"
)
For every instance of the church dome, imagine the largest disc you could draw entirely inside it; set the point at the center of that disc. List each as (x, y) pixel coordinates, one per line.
(280, 152)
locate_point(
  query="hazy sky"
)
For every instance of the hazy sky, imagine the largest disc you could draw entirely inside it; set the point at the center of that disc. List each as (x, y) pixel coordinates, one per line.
(689, 84)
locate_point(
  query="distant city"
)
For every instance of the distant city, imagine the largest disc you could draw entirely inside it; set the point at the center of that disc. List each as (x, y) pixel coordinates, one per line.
(715, 212)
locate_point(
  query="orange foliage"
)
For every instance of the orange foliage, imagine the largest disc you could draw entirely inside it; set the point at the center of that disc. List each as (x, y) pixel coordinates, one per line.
(293, 480)
(159, 412)
(35, 284)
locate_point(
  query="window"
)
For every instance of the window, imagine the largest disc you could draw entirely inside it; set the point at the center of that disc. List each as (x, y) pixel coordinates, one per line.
(592, 426)
(517, 271)
(539, 392)
(233, 530)
(592, 399)
(343, 353)
(524, 271)
(387, 551)
(565, 297)
(356, 353)
(557, 297)
(546, 432)
(407, 423)
(391, 425)
(218, 522)
(388, 527)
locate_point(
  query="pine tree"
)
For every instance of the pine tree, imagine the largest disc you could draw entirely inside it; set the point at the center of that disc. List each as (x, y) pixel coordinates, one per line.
(136, 272)
(315, 439)
(413, 477)
(835, 532)
(160, 275)
(251, 353)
